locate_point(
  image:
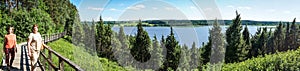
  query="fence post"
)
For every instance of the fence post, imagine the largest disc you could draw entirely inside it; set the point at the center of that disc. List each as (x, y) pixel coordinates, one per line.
(61, 65)
(50, 58)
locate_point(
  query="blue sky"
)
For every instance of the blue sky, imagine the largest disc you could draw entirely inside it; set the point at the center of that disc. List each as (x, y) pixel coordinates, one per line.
(260, 10)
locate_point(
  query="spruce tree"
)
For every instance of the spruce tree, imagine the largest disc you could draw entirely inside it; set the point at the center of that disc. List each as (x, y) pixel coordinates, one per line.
(157, 54)
(294, 36)
(206, 51)
(173, 52)
(287, 38)
(184, 59)
(254, 51)
(246, 38)
(262, 42)
(123, 52)
(194, 57)
(217, 46)
(140, 50)
(235, 51)
(279, 38)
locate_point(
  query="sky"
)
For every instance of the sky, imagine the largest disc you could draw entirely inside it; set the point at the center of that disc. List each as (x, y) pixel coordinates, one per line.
(117, 10)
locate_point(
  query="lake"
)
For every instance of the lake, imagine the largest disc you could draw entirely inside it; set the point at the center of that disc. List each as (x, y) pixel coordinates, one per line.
(185, 35)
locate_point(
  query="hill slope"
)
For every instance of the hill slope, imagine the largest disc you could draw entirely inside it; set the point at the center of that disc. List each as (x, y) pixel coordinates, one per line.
(287, 61)
(82, 58)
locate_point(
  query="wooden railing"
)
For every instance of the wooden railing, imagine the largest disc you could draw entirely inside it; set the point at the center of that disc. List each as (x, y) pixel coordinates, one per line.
(48, 59)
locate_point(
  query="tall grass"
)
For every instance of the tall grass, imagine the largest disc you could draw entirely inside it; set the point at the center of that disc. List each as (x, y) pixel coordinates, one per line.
(82, 58)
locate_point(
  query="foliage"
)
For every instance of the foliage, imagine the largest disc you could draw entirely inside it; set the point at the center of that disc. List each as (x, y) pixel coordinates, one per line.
(287, 61)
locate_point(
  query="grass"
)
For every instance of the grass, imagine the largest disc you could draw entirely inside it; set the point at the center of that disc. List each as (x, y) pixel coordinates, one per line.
(82, 58)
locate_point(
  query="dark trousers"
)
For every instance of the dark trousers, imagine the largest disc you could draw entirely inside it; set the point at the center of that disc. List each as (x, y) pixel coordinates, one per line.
(9, 56)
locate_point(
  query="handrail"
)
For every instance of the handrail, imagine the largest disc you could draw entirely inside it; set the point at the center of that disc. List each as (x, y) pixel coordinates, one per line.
(62, 60)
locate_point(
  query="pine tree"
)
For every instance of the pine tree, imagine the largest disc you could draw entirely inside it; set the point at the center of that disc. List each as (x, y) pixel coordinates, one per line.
(206, 51)
(234, 50)
(293, 35)
(254, 51)
(140, 50)
(122, 54)
(100, 37)
(217, 46)
(287, 38)
(279, 38)
(262, 42)
(185, 59)
(194, 57)
(173, 52)
(157, 54)
(246, 38)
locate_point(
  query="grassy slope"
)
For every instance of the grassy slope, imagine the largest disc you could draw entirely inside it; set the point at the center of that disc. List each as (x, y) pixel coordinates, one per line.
(79, 56)
(288, 61)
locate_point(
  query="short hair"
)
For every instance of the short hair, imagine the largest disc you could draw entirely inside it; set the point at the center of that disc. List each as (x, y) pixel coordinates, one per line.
(35, 25)
(8, 27)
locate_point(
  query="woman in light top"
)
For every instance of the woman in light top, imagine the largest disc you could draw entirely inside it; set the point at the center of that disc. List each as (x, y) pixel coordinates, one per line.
(10, 43)
(34, 44)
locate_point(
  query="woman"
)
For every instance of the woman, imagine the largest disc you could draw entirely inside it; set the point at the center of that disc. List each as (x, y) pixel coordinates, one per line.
(10, 43)
(34, 45)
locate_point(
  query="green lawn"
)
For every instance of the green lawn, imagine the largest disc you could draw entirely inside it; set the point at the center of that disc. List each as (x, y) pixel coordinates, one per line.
(82, 58)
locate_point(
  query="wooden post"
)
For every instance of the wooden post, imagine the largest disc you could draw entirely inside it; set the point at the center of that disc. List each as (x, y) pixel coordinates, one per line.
(44, 60)
(61, 64)
(50, 58)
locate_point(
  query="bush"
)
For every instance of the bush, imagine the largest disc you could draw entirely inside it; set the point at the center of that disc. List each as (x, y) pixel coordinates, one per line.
(286, 61)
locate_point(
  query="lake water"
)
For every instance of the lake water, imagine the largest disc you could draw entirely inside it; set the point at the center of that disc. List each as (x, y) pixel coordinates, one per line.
(185, 35)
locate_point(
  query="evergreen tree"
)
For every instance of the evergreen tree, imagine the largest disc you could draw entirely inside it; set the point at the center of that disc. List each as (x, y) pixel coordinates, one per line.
(100, 34)
(194, 57)
(294, 36)
(140, 50)
(122, 54)
(262, 42)
(278, 41)
(173, 52)
(157, 54)
(185, 59)
(254, 51)
(235, 51)
(246, 38)
(206, 51)
(287, 38)
(217, 46)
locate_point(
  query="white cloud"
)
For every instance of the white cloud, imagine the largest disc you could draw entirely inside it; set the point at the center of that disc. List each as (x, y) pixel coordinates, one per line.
(137, 7)
(109, 19)
(113, 9)
(154, 8)
(271, 10)
(287, 12)
(244, 7)
(169, 8)
(239, 7)
(230, 6)
(95, 8)
(192, 7)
